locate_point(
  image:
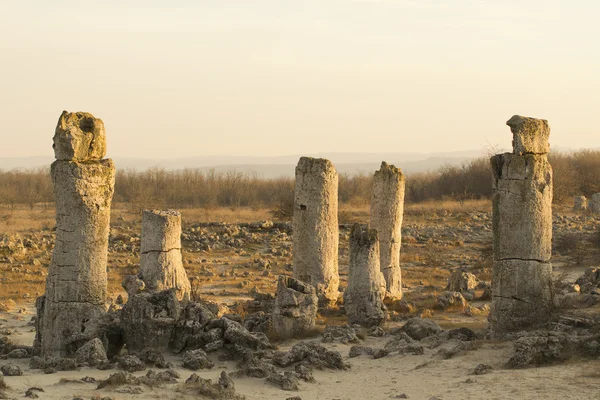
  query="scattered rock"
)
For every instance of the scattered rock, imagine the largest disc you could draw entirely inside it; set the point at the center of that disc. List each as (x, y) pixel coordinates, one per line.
(196, 359)
(223, 389)
(11, 370)
(420, 328)
(19, 353)
(453, 300)
(131, 363)
(356, 351)
(344, 334)
(31, 392)
(286, 381)
(482, 369)
(92, 353)
(311, 353)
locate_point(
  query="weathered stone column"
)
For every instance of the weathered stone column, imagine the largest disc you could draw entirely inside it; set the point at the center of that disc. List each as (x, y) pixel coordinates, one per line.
(580, 203)
(594, 204)
(316, 231)
(363, 298)
(522, 292)
(83, 188)
(387, 209)
(161, 265)
(295, 310)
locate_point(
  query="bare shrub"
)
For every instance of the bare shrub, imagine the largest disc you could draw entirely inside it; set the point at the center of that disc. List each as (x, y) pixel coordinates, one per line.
(576, 173)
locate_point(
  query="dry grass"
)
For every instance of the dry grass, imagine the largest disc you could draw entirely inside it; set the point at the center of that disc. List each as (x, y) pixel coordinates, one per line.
(25, 219)
(228, 215)
(21, 219)
(453, 206)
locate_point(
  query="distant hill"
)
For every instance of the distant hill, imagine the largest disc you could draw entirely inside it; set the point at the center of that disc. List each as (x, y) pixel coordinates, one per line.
(276, 166)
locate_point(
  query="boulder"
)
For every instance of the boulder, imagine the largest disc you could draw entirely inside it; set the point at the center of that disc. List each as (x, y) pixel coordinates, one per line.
(92, 353)
(461, 281)
(420, 328)
(196, 359)
(149, 320)
(295, 310)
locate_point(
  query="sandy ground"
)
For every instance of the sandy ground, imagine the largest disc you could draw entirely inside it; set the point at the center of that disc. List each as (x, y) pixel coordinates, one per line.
(417, 376)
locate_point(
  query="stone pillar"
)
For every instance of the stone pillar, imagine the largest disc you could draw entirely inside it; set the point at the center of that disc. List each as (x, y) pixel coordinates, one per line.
(580, 203)
(594, 204)
(363, 298)
(387, 208)
(295, 310)
(161, 265)
(316, 231)
(77, 279)
(522, 292)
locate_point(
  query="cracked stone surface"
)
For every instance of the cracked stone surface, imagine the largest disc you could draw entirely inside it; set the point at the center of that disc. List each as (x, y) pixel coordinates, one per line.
(522, 207)
(363, 298)
(76, 285)
(522, 229)
(161, 265)
(387, 209)
(521, 294)
(316, 231)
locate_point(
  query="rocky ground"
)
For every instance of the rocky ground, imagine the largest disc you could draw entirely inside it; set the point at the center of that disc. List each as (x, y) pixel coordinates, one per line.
(446, 354)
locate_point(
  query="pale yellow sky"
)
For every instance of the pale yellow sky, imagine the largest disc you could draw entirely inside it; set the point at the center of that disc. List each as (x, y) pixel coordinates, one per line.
(273, 77)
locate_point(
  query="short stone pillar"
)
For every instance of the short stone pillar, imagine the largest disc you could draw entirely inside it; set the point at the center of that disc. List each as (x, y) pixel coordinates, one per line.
(295, 310)
(594, 204)
(161, 265)
(580, 203)
(461, 281)
(76, 286)
(316, 231)
(387, 209)
(522, 292)
(363, 298)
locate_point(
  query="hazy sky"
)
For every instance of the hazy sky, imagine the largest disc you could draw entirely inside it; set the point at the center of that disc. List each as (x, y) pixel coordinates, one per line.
(273, 77)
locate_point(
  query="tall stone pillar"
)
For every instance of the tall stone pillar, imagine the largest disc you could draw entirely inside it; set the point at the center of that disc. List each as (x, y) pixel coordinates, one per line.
(316, 231)
(161, 265)
(363, 298)
(387, 209)
(77, 279)
(522, 292)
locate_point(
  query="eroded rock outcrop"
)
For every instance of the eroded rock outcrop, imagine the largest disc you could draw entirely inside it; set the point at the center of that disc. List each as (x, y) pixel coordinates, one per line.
(316, 231)
(387, 209)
